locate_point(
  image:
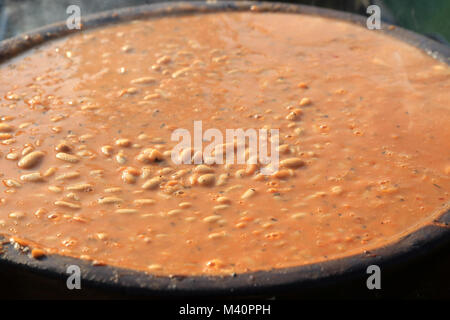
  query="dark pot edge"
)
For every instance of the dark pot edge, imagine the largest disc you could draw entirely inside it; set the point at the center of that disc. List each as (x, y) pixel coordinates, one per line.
(411, 246)
(16, 45)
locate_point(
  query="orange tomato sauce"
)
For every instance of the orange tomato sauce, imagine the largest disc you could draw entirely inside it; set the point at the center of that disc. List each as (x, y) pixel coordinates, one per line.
(85, 142)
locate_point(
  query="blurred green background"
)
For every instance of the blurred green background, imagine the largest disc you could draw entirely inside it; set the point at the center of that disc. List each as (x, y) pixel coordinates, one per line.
(429, 17)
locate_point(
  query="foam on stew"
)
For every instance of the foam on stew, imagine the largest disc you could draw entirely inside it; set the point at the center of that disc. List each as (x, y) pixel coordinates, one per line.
(85, 143)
